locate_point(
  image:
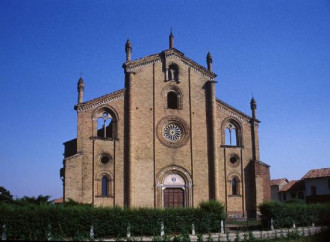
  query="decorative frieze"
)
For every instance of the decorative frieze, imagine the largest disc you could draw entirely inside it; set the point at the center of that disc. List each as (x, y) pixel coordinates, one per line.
(184, 60)
(232, 113)
(146, 63)
(99, 102)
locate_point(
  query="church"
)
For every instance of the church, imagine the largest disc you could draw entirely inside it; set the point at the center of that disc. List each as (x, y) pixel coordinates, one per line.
(165, 140)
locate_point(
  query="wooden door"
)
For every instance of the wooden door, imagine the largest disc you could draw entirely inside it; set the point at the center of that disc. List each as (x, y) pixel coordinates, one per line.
(173, 198)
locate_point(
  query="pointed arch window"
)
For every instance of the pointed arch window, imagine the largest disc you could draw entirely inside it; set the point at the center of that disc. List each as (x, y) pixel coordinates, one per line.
(231, 135)
(172, 100)
(106, 124)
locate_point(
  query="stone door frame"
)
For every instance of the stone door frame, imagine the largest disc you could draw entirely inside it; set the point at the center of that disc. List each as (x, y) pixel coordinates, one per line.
(187, 186)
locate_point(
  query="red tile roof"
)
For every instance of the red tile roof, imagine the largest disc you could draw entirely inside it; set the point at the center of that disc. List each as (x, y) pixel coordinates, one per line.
(278, 181)
(294, 185)
(58, 201)
(316, 173)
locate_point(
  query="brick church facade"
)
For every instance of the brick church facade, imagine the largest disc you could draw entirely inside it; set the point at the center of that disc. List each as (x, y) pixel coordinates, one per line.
(165, 140)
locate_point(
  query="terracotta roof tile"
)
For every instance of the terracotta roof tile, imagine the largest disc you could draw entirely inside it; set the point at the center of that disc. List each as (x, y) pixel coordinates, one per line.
(323, 172)
(58, 200)
(294, 185)
(278, 181)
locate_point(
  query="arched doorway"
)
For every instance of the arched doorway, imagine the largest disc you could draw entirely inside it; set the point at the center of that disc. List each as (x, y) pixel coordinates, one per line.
(174, 191)
(173, 188)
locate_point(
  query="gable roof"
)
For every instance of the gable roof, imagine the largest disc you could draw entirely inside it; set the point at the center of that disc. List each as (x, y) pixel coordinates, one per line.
(293, 186)
(278, 181)
(235, 110)
(131, 65)
(58, 200)
(317, 173)
(100, 100)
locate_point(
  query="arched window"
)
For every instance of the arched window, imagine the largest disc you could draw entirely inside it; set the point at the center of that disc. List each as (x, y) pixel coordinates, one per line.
(105, 186)
(172, 100)
(234, 186)
(173, 72)
(105, 126)
(231, 135)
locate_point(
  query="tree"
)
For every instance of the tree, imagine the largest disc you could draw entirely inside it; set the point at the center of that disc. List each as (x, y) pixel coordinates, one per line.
(5, 195)
(34, 200)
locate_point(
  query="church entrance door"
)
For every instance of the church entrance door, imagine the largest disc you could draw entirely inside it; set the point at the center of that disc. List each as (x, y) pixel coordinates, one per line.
(173, 197)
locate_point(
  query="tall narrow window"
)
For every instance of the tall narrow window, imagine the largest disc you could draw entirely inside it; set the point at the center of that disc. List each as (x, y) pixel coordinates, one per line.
(313, 190)
(230, 135)
(105, 126)
(234, 186)
(172, 100)
(105, 186)
(173, 72)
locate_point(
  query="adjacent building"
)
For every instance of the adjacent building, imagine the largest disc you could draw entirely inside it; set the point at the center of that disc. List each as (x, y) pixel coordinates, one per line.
(276, 185)
(314, 187)
(165, 140)
(317, 185)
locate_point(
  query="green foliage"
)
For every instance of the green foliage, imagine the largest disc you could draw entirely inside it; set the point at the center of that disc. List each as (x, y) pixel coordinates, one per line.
(72, 202)
(40, 200)
(5, 195)
(297, 201)
(251, 237)
(284, 214)
(34, 219)
(200, 238)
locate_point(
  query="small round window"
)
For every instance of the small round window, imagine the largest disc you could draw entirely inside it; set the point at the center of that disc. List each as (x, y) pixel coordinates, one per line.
(105, 159)
(234, 160)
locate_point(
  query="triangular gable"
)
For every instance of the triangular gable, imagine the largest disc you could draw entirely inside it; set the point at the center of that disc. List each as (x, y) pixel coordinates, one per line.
(170, 53)
(233, 111)
(100, 100)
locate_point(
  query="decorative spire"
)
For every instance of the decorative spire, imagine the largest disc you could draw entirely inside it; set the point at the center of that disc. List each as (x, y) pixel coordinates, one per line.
(81, 88)
(253, 104)
(171, 40)
(128, 50)
(209, 61)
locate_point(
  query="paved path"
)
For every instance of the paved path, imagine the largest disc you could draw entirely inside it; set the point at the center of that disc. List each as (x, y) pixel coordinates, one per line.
(231, 236)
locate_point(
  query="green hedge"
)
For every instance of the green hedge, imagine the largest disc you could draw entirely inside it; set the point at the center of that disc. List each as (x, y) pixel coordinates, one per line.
(284, 214)
(33, 222)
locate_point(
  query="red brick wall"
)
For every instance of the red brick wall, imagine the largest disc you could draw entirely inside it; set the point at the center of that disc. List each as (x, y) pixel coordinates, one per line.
(262, 170)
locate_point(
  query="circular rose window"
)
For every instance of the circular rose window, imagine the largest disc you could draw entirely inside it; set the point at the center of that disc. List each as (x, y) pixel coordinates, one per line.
(172, 131)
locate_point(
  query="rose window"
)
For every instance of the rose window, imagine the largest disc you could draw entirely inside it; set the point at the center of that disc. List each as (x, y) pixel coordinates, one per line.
(172, 132)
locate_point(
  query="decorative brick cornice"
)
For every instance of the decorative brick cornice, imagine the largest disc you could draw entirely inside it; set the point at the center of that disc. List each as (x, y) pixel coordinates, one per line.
(103, 138)
(100, 101)
(238, 147)
(171, 53)
(259, 162)
(73, 156)
(234, 112)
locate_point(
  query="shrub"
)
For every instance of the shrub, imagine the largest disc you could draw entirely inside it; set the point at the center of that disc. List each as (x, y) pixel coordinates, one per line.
(284, 214)
(74, 221)
(297, 201)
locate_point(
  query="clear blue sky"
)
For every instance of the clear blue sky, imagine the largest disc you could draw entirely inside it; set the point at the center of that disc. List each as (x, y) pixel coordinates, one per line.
(279, 50)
